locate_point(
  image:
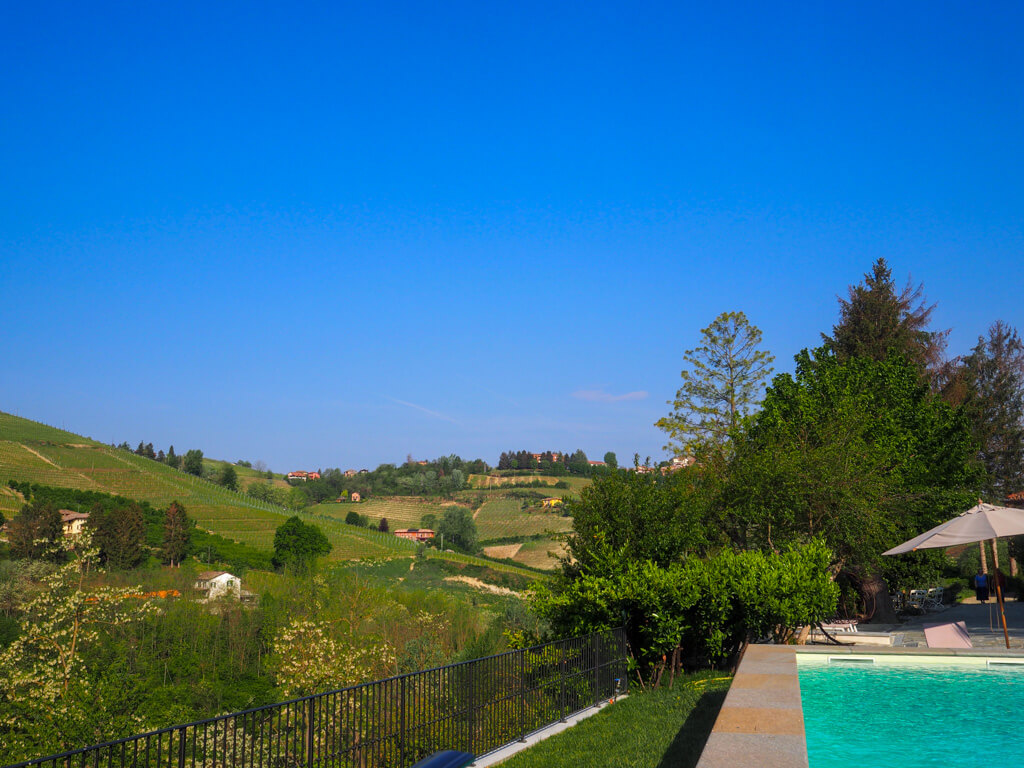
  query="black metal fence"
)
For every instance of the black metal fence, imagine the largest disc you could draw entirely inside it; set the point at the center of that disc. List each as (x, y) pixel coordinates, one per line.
(475, 706)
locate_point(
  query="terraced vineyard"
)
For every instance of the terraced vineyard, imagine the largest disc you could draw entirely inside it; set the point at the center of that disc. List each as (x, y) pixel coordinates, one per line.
(500, 518)
(37, 453)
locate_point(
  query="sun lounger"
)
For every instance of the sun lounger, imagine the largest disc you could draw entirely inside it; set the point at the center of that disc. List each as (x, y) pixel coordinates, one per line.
(839, 625)
(952, 635)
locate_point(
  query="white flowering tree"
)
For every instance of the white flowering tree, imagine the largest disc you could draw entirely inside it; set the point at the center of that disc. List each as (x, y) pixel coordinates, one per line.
(54, 692)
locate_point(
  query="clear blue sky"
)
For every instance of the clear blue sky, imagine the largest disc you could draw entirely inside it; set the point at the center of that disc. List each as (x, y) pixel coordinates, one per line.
(334, 234)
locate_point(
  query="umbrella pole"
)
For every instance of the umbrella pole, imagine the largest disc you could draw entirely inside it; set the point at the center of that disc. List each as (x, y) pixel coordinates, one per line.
(999, 594)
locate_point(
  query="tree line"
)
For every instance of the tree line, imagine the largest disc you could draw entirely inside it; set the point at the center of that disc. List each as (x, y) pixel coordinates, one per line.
(549, 463)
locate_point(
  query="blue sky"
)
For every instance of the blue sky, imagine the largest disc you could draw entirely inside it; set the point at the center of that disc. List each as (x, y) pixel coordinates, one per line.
(329, 235)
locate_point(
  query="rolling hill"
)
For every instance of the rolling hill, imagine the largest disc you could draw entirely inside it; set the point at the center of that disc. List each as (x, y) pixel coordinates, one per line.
(37, 453)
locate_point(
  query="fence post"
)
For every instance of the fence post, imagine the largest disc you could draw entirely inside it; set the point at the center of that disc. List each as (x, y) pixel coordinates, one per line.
(401, 733)
(597, 667)
(309, 732)
(181, 747)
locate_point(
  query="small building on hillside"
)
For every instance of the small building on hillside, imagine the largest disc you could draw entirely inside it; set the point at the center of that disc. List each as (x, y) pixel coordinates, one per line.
(355, 497)
(303, 476)
(679, 462)
(73, 522)
(415, 534)
(216, 584)
(597, 464)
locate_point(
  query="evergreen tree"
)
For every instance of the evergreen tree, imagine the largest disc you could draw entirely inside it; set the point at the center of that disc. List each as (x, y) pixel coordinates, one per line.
(34, 530)
(148, 451)
(994, 375)
(172, 459)
(721, 386)
(611, 460)
(383, 527)
(875, 320)
(177, 534)
(120, 534)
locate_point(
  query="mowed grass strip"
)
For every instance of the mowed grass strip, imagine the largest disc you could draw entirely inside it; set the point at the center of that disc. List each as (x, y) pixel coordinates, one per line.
(649, 729)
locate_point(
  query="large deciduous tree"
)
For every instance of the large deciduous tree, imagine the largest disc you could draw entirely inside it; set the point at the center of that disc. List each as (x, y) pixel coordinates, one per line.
(720, 386)
(875, 320)
(857, 451)
(458, 528)
(297, 545)
(193, 462)
(228, 478)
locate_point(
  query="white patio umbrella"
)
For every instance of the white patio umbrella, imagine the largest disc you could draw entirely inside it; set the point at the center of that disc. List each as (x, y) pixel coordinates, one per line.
(979, 523)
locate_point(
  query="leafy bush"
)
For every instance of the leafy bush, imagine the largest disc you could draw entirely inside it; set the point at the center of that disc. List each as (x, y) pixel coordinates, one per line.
(707, 608)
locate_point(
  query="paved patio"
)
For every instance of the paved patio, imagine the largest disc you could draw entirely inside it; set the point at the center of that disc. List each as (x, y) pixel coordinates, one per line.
(982, 620)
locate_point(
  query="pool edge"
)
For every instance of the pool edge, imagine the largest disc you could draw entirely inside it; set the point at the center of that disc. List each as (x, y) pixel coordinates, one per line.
(761, 721)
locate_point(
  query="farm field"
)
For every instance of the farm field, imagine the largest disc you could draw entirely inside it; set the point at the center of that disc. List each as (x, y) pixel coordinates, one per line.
(400, 512)
(500, 518)
(541, 553)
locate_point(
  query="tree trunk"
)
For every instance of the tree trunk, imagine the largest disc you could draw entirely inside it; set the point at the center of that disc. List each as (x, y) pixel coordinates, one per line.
(877, 605)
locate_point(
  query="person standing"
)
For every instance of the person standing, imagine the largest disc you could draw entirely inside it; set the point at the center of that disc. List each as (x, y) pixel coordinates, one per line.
(981, 586)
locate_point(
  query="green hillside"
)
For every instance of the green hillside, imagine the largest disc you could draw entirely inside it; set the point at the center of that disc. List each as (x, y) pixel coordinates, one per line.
(34, 452)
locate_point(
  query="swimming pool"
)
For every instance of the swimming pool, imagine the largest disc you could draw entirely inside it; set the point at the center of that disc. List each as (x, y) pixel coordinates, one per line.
(911, 711)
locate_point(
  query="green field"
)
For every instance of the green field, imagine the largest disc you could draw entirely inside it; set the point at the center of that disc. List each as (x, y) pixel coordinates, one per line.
(501, 518)
(400, 512)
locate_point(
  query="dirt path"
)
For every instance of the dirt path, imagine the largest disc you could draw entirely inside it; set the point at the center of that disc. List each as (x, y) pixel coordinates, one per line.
(37, 453)
(483, 585)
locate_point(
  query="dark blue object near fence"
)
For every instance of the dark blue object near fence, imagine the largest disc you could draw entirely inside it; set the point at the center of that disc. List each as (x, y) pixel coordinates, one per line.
(447, 759)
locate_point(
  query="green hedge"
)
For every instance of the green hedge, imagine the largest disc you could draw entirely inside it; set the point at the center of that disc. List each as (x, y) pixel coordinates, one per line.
(706, 607)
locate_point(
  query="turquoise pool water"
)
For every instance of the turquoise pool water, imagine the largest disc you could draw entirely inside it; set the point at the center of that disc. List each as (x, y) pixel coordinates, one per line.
(912, 714)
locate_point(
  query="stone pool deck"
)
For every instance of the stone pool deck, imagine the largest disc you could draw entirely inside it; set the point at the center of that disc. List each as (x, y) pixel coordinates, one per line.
(761, 722)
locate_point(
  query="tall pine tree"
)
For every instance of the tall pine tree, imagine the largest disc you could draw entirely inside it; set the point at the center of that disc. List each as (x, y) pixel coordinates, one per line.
(876, 320)
(994, 400)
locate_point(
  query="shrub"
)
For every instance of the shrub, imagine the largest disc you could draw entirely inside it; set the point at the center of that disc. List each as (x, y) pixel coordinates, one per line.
(706, 608)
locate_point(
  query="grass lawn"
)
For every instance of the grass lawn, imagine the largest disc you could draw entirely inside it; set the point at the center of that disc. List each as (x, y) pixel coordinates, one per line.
(666, 728)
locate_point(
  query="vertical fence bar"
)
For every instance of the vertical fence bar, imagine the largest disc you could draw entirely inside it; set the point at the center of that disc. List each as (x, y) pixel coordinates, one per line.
(181, 747)
(596, 654)
(471, 700)
(401, 726)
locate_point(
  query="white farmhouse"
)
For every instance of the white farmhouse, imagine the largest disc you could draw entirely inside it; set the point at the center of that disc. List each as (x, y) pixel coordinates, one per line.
(214, 584)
